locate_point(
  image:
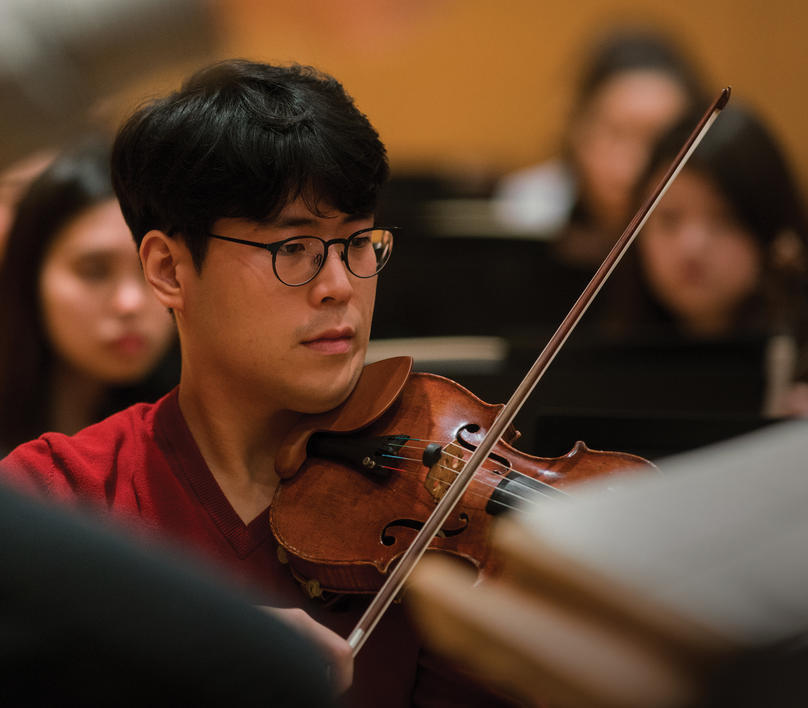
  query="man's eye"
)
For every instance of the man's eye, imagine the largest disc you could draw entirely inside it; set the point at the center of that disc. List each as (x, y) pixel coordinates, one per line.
(360, 242)
(292, 249)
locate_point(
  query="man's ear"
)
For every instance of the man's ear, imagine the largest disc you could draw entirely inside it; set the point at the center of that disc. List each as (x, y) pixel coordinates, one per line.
(160, 256)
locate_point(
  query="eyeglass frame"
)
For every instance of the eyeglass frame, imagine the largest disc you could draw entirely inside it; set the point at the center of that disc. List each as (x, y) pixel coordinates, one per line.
(274, 247)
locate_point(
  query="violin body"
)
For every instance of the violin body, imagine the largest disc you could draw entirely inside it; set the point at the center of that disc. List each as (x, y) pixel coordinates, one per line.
(349, 507)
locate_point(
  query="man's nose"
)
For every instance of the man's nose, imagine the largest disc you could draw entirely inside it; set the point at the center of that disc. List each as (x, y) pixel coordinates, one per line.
(334, 279)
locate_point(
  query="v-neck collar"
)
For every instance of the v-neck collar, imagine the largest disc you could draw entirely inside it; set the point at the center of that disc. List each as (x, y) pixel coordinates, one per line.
(171, 428)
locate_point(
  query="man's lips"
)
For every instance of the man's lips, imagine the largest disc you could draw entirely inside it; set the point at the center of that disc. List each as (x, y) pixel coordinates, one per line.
(332, 341)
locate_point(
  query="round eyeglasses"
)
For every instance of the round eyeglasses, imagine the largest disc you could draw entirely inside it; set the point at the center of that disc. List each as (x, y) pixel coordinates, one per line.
(297, 260)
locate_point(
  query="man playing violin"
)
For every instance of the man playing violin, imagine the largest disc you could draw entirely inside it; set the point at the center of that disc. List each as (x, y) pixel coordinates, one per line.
(251, 195)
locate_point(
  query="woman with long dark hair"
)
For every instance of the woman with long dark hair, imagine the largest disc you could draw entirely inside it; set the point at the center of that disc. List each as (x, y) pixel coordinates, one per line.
(634, 85)
(724, 254)
(82, 335)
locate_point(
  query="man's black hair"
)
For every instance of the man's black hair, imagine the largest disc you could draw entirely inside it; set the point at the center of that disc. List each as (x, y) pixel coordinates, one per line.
(242, 139)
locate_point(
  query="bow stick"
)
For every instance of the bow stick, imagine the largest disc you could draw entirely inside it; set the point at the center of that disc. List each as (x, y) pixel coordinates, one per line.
(398, 576)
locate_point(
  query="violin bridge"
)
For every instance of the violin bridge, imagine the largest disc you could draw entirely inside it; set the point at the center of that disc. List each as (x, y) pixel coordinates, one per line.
(444, 471)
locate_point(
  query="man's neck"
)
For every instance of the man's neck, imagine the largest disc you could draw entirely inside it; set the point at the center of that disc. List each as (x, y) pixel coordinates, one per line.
(238, 440)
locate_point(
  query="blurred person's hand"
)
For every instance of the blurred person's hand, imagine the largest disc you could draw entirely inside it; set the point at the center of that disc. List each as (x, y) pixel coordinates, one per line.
(335, 649)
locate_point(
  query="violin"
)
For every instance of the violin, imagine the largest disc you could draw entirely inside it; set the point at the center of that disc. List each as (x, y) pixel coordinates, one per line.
(362, 481)
(367, 488)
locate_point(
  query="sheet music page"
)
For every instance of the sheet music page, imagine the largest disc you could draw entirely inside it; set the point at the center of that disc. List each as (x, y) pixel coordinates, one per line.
(721, 536)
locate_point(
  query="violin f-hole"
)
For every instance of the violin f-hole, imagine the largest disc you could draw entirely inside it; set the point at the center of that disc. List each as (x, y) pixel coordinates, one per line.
(389, 539)
(473, 428)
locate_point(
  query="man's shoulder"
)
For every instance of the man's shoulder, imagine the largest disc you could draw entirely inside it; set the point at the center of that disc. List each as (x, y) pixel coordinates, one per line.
(116, 435)
(114, 448)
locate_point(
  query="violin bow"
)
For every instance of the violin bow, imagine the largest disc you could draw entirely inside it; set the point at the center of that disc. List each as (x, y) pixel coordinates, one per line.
(398, 576)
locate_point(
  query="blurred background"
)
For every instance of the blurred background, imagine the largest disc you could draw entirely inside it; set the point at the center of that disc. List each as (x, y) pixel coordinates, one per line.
(477, 87)
(464, 93)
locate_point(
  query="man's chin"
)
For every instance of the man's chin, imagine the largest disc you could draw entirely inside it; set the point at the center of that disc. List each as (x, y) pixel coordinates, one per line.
(326, 387)
(330, 395)
(323, 403)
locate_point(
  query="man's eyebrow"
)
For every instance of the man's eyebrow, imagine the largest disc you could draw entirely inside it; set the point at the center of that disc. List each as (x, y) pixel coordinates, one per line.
(291, 221)
(304, 221)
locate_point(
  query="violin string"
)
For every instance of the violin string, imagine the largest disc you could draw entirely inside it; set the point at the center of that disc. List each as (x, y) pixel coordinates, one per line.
(506, 491)
(500, 470)
(480, 482)
(534, 487)
(470, 492)
(419, 460)
(494, 470)
(532, 491)
(514, 475)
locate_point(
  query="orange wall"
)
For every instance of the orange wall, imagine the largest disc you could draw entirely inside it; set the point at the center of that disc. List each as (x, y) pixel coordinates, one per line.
(481, 84)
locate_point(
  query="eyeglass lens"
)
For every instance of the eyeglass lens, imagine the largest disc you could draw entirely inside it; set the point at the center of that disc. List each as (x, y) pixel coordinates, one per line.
(298, 260)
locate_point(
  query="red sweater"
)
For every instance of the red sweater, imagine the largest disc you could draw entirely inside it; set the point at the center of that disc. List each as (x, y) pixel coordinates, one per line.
(143, 465)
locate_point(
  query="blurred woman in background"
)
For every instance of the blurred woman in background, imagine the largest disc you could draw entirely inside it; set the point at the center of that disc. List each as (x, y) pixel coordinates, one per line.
(635, 85)
(14, 180)
(724, 253)
(82, 334)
